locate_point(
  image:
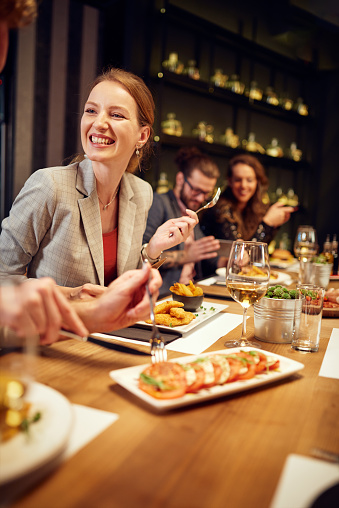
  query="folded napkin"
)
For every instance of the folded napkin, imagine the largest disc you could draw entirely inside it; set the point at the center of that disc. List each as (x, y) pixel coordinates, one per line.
(303, 479)
(204, 335)
(209, 282)
(88, 424)
(330, 364)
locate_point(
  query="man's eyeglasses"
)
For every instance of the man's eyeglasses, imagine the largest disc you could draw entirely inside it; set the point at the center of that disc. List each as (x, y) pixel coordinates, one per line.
(196, 191)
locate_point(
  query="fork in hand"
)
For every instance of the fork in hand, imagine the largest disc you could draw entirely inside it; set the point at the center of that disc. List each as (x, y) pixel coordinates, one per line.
(158, 350)
(212, 202)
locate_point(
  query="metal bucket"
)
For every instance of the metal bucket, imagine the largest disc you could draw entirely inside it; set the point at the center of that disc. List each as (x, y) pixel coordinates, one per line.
(320, 274)
(277, 321)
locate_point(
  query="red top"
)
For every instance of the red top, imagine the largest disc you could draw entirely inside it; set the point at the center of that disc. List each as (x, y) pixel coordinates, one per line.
(110, 255)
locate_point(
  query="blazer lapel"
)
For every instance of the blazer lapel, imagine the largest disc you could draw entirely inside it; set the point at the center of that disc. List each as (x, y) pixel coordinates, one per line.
(127, 212)
(90, 215)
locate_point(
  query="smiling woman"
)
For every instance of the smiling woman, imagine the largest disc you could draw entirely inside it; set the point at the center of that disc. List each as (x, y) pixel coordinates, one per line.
(240, 212)
(83, 223)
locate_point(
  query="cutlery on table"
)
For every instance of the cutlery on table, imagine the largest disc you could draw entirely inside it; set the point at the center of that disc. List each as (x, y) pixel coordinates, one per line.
(104, 343)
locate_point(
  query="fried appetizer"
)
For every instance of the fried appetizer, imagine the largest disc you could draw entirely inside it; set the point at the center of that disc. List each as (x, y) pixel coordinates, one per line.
(183, 290)
(171, 313)
(165, 307)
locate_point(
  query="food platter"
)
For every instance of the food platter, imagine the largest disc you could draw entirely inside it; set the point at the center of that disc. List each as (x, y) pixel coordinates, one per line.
(128, 379)
(205, 312)
(46, 440)
(281, 278)
(331, 312)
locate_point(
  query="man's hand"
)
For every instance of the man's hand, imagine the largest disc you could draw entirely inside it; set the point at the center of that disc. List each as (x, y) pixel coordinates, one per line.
(37, 307)
(204, 248)
(123, 303)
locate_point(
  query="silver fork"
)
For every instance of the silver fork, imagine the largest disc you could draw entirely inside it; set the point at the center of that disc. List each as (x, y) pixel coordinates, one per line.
(158, 350)
(212, 202)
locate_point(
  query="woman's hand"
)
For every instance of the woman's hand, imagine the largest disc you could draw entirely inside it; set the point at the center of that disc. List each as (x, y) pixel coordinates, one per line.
(37, 307)
(278, 214)
(171, 233)
(124, 302)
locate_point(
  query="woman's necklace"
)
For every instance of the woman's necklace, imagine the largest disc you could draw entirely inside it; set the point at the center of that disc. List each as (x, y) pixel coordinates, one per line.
(113, 198)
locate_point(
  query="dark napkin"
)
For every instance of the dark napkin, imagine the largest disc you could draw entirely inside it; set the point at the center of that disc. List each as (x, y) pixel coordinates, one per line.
(144, 333)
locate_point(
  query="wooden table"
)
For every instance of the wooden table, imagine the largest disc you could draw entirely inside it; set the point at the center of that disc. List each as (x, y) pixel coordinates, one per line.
(229, 452)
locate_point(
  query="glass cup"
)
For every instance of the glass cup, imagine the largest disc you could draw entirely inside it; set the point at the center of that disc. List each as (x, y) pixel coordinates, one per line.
(305, 247)
(310, 321)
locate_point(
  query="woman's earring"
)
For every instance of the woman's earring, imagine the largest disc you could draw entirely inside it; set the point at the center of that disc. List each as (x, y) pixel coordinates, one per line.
(137, 153)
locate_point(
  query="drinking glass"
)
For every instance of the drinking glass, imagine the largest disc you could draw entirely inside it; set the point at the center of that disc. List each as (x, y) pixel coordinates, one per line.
(305, 247)
(247, 278)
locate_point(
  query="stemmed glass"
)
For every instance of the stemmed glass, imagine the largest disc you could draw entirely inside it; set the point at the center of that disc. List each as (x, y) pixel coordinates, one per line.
(247, 277)
(305, 247)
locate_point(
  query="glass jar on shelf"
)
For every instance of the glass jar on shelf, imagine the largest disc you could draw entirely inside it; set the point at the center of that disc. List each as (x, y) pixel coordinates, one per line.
(270, 96)
(235, 85)
(300, 107)
(192, 70)
(204, 132)
(229, 138)
(285, 102)
(281, 196)
(251, 145)
(162, 186)
(292, 198)
(172, 126)
(273, 149)
(294, 153)
(254, 92)
(173, 64)
(219, 78)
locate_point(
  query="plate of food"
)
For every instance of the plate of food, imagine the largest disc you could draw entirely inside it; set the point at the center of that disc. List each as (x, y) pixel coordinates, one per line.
(170, 315)
(198, 378)
(331, 303)
(42, 438)
(275, 277)
(282, 258)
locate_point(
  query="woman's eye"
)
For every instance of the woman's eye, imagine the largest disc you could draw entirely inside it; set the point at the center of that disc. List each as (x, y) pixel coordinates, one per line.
(89, 110)
(117, 115)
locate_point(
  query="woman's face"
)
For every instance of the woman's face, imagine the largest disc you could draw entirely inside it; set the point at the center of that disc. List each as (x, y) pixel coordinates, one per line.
(243, 183)
(109, 126)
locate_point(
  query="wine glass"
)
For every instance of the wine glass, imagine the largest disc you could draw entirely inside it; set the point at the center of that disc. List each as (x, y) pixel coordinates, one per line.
(247, 277)
(305, 247)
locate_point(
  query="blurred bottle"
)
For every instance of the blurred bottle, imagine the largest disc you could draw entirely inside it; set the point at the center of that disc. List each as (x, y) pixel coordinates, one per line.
(172, 126)
(162, 186)
(192, 70)
(173, 64)
(327, 249)
(292, 198)
(219, 78)
(281, 197)
(335, 255)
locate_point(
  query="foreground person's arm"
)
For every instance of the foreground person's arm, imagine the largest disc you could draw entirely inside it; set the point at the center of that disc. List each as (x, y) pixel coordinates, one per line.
(35, 308)
(123, 303)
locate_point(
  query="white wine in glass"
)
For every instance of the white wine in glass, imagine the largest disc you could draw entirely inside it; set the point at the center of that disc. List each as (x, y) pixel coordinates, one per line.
(305, 247)
(247, 278)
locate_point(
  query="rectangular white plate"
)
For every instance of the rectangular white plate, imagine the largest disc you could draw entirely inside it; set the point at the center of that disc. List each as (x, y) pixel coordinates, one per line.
(202, 314)
(128, 378)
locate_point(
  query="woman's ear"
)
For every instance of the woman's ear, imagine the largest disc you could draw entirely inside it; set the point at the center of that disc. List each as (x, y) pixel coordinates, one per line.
(179, 180)
(144, 134)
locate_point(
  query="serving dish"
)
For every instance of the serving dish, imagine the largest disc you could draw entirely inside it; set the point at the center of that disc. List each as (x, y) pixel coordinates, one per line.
(128, 378)
(331, 312)
(47, 438)
(281, 278)
(205, 312)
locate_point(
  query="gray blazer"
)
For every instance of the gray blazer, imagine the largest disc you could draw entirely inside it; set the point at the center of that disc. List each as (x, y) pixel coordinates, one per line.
(54, 226)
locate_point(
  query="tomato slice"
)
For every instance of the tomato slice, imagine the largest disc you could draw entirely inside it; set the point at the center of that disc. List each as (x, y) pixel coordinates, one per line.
(198, 380)
(165, 380)
(235, 367)
(249, 364)
(212, 371)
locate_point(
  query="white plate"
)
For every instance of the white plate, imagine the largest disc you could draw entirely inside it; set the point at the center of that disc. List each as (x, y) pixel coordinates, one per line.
(128, 378)
(276, 263)
(282, 278)
(47, 437)
(202, 314)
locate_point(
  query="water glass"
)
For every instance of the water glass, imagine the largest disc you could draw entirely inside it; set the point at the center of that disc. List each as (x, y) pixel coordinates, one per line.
(310, 321)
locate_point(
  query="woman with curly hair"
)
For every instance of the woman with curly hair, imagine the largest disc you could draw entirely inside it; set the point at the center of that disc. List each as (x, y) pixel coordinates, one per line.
(240, 212)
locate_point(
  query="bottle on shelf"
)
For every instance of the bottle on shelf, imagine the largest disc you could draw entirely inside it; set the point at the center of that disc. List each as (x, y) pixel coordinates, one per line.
(294, 153)
(335, 255)
(251, 144)
(254, 92)
(273, 149)
(229, 138)
(292, 198)
(162, 186)
(192, 70)
(173, 64)
(171, 126)
(327, 250)
(300, 107)
(270, 96)
(235, 85)
(285, 102)
(219, 78)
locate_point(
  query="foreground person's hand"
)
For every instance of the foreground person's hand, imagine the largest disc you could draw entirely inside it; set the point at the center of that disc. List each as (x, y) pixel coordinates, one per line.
(37, 307)
(124, 302)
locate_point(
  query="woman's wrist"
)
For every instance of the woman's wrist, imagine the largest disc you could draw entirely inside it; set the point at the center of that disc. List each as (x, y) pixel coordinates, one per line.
(150, 254)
